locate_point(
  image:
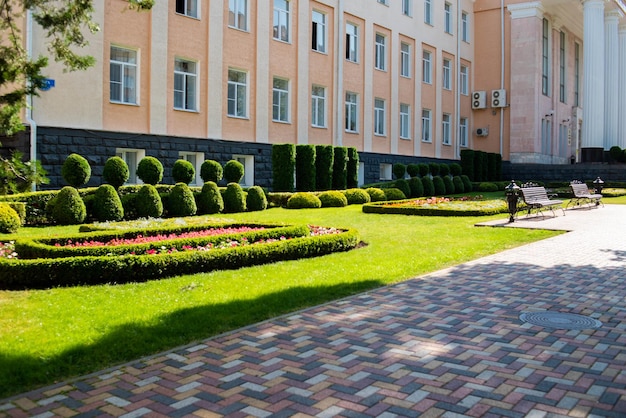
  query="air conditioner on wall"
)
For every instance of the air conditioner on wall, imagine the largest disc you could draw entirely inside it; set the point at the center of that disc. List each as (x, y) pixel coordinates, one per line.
(479, 100)
(482, 131)
(498, 98)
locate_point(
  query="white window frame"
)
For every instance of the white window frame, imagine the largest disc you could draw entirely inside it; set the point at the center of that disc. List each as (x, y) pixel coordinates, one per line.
(282, 21)
(562, 67)
(127, 67)
(280, 100)
(318, 32)
(380, 117)
(447, 74)
(405, 59)
(405, 121)
(407, 8)
(189, 78)
(464, 88)
(352, 42)
(427, 125)
(465, 26)
(196, 159)
(131, 157)
(447, 18)
(463, 132)
(446, 126)
(351, 109)
(380, 56)
(386, 171)
(383, 2)
(191, 8)
(238, 14)
(427, 67)
(248, 169)
(545, 57)
(428, 12)
(238, 87)
(318, 106)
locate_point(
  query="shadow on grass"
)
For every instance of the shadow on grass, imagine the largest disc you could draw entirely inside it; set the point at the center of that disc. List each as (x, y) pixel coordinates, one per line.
(19, 373)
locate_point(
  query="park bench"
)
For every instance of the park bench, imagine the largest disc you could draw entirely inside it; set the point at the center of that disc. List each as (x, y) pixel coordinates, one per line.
(536, 199)
(582, 195)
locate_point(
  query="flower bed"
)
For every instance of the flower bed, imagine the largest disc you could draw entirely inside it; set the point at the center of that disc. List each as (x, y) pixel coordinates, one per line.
(439, 206)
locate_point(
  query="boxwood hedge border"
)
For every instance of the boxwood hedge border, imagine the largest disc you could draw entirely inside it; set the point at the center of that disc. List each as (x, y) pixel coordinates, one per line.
(385, 208)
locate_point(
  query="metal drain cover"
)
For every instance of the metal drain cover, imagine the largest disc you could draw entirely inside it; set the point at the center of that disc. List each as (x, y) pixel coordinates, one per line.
(559, 320)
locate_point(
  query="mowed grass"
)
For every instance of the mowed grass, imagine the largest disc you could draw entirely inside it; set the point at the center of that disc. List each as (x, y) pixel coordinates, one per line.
(47, 336)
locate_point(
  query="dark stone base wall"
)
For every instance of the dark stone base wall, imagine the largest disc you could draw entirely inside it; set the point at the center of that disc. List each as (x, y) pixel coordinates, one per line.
(564, 173)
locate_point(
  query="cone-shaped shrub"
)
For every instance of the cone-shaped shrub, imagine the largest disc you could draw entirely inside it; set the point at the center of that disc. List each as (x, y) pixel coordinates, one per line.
(148, 203)
(211, 170)
(403, 185)
(413, 170)
(416, 186)
(394, 194)
(183, 171)
(9, 219)
(458, 185)
(210, 199)
(429, 187)
(467, 183)
(234, 199)
(67, 207)
(150, 170)
(256, 199)
(181, 201)
(107, 205)
(448, 185)
(115, 172)
(76, 170)
(440, 187)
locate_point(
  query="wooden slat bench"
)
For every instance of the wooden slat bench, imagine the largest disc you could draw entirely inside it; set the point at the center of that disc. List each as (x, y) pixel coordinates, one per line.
(537, 199)
(582, 195)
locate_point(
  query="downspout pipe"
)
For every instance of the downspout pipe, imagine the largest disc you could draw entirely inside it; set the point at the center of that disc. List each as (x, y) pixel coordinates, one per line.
(502, 74)
(29, 108)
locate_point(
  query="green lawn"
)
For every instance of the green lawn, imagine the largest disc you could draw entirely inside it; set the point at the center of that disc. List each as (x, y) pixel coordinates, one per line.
(50, 335)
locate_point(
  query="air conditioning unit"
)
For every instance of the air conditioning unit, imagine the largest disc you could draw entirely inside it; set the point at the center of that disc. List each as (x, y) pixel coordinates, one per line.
(482, 131)
(498, 98)
(479, 100)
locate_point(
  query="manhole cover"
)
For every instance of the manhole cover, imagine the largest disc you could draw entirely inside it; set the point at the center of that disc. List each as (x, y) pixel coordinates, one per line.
(560, 320)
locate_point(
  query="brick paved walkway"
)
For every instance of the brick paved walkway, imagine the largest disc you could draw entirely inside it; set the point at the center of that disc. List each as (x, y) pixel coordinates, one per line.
(448, 344)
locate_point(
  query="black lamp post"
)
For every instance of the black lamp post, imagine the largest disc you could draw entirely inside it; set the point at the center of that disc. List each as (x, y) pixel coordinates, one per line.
(598, 184)
(512, 194)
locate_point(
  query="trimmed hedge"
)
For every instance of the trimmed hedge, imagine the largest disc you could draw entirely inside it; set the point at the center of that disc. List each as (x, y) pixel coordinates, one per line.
(234, 198)
(449, 185)
(9, 219)
(256, 200)
(76, 170)
(416, 186)
(150, 170)
(324, 160)
(147, 202)
(394, 194)
(305, 168)
(340, 168)
(353, 168)
(304, 200)
(283, 167)
(115, 172)
(459, 187)
(499, 206)
(357, 196)
(413, 170)
(183, 171)
(211, 170)
(399, 170)
(107, 205)
(376, 194)
(210, 200)
(429, 187)
(67, 208)
(233, 171)
(181, 201)
(333, 199)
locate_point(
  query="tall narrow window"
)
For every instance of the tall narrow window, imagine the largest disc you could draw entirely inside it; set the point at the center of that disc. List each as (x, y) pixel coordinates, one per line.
(405, 60)
(445, 125)
(351, 109)
(281, 20)
(562, 73)
(380, 63)
(447, 74)
(545, 59)
(185, 78)
(576, 74)
(464, 80)
(187, 7)
(280, 100)
(407, 7)
(463, 132)
(379, 117)
(426, 67)
(238, 14)
(405, 121)
(123, 77)
(428, 12)
(318, 32)
(318, 107)
(237, 93)
(464, 27)
(131, 157)
(426, 124)
(352, 42)
(447, 18)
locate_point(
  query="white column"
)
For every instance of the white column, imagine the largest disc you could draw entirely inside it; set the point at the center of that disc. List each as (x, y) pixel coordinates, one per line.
(621, 129)
(216, 69)
(263, 77)
(304, 87)
(593, 78)
(611, 73)
(158, 70)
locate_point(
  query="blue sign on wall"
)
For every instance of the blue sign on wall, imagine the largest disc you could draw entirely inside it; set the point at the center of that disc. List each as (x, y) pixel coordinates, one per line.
(48, 84)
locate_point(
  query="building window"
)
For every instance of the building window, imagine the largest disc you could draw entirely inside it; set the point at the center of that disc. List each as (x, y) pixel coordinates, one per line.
(445, 124)
(405, 60)
(131, 157)
(237, 93)
(546, 136)
(427, 67)
(281, 20)
(576, 74)
(352, 42)
(196, 159)
(464, 80)
(318, 107)
(426, 125)
(562, 73)
(545, 59)
(238, 14)
(405, 121)
(428, 12)
(386, 171)
(464, 27)
(187, 7)
(379, 117)
(447, 18)
(318, 32)
(351, 109)
(407, 7)
(463, 132)
(248, 169)
(562, 151)
(123, 77)
(185, 78)
(280, 100)
(383, 2)
(447, 74)
(380, 63)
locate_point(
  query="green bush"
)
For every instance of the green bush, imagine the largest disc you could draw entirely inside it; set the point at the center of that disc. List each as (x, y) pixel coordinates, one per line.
(148, 202)
(181, 201)
(9, 219)
(492, 167)
(487, 187)
(183, 171)
(394, 194)
(459, 187)
(107, 205)
(357, 196)
(115, 172)
(234, 198)
(429, 186)
(283, 167)
(403, 185)
(256, 199)
(455, 169)
(353, 168)
(233, 171)
(440, 187)
(399, 170)
(340, 168)
(76, 170)
(423, 168)
(150, 170)
(467, 163)
(448, 185)
(444, 169)
(325, 156)
(467, 183)
(211, 170)
(615, 152)
(304, 200)
(68, 208)
(376, 194)
(333, 199)
(413, 170)
(433, 168)
(210, 199)
(416, 186)
(305, 168)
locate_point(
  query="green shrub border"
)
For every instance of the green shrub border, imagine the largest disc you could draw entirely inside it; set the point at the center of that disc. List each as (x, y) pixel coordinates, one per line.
(383, 208)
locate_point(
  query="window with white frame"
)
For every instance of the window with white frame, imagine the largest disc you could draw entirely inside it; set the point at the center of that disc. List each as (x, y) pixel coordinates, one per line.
(281, 20)
(318, 31)
(464, 27)
(576, 74)
(562, 70)
(196, 159)
(248, 169)
(447, 74)
(428, 12)
(351, 109)
(380, 58)
(237, 93)
(386, 171)
(280, 100)
(545, 58)
(464, 80)
(352, 42)
(463, 132)
(318, 107)
(379, 117)
(405, 121)
(427, 67)
(445, 125)
(187, 8)
(426, 125)
(383, 2)
(407, 7)
(405, 59)
(185, 85)
(447, 17)
(131, 157)
(238, 14)
(123, 75)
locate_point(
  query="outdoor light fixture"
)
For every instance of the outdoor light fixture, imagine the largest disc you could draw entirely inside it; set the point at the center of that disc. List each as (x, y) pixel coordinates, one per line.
(598, 184)
(512, 194)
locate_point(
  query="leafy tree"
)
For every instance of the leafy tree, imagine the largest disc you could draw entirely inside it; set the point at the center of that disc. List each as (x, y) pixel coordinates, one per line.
(17, 176)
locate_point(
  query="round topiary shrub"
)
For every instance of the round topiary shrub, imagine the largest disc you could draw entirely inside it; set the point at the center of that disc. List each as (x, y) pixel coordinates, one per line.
(449, 186)
(455, 169)
(615, 153)
(423, 167)
(467, 183)
(181, 201)
(256, 199)
(9, 219)
(399, 170)
(211, 170)
(376, 194)
(440, 187)
(148, 203)
(115, 172)
(150, 170)
(107, 205)
(413, 170)
(416, 186)
(433, 168)
(234, 198)
(403, 185)
(444, 169)
(183, 171)
(459, 187)
(304, 200)
(487, 187)
(429, 187)
(76, 170)
(394, 194)
(233, 171)
(68, 208)
(210, 199)
(333, 199)
(357, 196)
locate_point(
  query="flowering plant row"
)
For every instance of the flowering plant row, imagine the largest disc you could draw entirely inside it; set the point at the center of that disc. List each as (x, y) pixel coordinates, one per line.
(439, 206)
